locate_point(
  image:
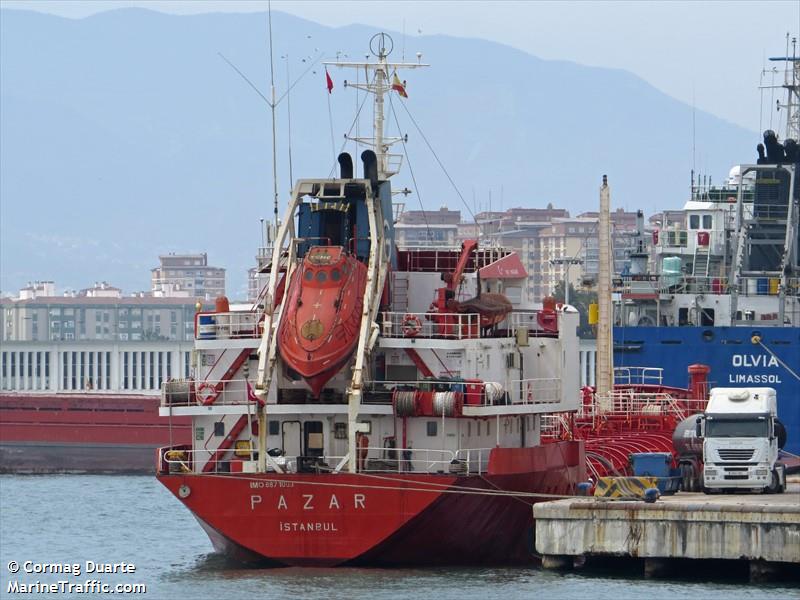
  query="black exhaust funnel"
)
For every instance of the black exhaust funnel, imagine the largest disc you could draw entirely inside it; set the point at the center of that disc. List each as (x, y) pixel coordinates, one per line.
(370, 166)
(346, 165)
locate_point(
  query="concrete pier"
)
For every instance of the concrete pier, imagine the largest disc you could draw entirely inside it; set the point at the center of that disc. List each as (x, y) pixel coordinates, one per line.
(762, 529)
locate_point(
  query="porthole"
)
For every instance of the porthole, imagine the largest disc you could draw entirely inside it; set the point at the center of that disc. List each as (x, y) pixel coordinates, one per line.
(322, 276)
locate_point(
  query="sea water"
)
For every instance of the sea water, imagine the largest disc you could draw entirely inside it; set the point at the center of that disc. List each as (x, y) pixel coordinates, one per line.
(131, 532)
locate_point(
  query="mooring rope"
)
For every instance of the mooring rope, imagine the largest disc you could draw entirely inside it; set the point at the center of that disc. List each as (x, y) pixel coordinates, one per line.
(431, 487)
(776, 357)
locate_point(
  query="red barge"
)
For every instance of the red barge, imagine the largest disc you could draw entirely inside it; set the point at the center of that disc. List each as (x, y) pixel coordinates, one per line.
(83, 432)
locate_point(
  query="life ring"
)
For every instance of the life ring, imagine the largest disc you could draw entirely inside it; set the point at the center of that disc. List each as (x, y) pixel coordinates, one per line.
(411, 325)
(206, 392)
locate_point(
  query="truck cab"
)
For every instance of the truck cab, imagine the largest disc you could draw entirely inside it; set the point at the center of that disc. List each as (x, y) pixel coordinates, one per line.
(740, 441)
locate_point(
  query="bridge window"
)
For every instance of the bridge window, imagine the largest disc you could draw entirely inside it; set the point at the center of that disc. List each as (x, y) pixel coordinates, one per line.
(694, 221)
(707, 221)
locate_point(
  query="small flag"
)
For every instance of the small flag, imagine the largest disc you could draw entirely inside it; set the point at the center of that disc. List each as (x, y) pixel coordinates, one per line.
(328, 81)
(398, 86)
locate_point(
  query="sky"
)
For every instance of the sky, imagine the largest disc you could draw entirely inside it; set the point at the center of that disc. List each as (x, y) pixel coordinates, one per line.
(708, 54)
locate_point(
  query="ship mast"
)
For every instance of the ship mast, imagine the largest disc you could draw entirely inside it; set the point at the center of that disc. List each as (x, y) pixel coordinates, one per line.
(605, 367)
(378, 83)
(791, 82)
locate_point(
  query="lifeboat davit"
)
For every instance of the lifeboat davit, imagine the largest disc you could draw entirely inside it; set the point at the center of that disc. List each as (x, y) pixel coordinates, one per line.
(322, 317)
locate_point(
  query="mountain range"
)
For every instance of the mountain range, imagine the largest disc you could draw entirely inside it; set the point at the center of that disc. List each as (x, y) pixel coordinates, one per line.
(125, 135)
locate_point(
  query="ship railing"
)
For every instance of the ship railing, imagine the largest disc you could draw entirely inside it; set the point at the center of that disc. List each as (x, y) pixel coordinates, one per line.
(632, 403)
(667, 283)
(453, 326)
(691, 284)
(673, 238)
(439, 257)
(712, 239)
(535, 391)
(638, 376)
(553, 426)
(529, 320)
(770, 211)
(458, 326)
(424, 460)
(767, 286)
(219, 392)
(227, 325)
(372, 459)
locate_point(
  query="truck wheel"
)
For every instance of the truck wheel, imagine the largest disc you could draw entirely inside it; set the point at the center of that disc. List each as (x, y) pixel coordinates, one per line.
(781, 479)
(774, 486)
(686, 478)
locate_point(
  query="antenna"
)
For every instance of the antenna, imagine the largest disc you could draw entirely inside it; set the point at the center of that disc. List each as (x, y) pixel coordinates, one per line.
(272, 109)
(694, 131)
(289, 116)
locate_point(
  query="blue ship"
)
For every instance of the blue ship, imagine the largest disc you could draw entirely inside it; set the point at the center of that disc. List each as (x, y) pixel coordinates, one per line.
(735, 360)
(718, 282)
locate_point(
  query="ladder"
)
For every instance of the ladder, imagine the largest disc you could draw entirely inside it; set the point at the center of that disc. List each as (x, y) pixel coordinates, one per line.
(702, 260)
(400, 292)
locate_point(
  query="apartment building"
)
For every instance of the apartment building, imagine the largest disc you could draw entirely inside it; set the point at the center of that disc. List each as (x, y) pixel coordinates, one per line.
(187, 276)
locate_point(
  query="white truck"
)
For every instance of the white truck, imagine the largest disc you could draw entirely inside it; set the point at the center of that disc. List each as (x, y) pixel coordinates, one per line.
(741, 432)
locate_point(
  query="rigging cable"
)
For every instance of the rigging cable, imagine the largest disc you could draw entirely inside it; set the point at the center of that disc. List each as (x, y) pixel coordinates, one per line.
(349, 131)
(257, 91)
(757, 340)
(427, 486)
(410, 169)
(464, 202)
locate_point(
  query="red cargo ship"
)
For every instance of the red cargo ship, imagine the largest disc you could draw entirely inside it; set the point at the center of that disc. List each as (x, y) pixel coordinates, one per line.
(391, 419)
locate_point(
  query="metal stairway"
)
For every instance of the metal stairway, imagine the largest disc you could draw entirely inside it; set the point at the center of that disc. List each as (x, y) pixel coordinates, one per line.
(702, 261)
(400, 292)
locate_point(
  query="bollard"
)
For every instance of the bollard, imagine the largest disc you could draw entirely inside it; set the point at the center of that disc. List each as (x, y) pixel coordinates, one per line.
(651, 495)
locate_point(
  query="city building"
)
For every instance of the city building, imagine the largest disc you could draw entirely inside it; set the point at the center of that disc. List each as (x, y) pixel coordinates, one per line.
(187, 276)
(552, 245)
(94, 317)
(418, 228)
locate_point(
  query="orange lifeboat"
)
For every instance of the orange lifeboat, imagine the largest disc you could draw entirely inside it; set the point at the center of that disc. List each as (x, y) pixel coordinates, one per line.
(321, 320)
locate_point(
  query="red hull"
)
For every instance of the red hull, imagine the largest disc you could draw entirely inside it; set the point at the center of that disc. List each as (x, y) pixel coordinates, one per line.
(91, 433)
(382, 519)
(321, 319)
